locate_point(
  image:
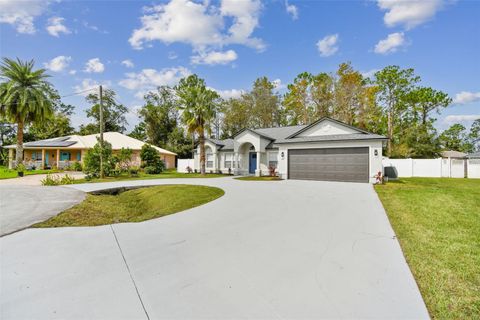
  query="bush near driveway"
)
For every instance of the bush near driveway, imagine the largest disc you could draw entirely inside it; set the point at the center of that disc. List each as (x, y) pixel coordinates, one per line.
(437, 222)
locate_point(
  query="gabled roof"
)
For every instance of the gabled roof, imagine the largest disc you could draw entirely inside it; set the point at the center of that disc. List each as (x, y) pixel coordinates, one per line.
(322, 120)
(254, 132)
(453, 154)
(333, 137)
(116, 139)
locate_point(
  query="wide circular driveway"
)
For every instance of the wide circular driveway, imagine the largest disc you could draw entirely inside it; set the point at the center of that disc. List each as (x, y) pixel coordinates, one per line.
(270, 250)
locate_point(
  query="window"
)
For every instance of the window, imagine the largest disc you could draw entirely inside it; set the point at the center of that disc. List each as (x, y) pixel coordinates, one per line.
(209, 160)
(36, 155)
(229, 160)
(79, 155)
(273, 159)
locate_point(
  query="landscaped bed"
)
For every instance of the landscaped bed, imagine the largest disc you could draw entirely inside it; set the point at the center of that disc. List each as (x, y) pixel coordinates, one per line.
(263, 178)
(437, 222)
(133, 205)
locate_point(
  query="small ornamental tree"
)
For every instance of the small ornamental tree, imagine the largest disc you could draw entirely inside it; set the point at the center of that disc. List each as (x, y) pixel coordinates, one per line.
(91, 162)
(151, 160)
(124, 158)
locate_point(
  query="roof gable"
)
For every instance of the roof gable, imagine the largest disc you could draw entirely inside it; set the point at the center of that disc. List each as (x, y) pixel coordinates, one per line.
(326, 127)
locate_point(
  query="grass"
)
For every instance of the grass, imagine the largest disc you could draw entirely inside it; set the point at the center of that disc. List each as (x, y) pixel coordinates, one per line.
(6, 173)
(133, 206)
(143, 176)
(437, 222)
(263, 178)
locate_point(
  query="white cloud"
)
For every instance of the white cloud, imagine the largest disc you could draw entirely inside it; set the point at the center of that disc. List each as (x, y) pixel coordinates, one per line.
(200, 24)
(278, 84)
(227, 94)
(172, 55)
(55, 26)
(391, 44)
(409, 13)
(291, 10)
(465, 97)
(72, 72)
(58, 64)
(94, 65)
(21, 14)
(128, 63)
(149, 79)
(88, 86)
(214, 57)
(461, 118)
(328, 45)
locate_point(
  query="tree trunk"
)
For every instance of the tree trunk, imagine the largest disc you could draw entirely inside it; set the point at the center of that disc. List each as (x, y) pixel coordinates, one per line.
(201, 138)
(390, 133)
(19, 155)
(424, 116)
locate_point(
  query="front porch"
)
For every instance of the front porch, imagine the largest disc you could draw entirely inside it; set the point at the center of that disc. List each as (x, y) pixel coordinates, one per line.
(46, 158)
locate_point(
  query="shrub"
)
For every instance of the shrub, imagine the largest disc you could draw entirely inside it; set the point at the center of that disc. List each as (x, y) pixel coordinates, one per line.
(150, 170)
(151, 158)
(124, 159)
(56, 180)
(133, 171)
(76, 166)
(91, 162)
(21, 168)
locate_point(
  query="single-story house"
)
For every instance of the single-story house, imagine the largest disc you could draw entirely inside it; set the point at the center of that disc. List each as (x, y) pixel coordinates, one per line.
(324, 150)
(62, 151)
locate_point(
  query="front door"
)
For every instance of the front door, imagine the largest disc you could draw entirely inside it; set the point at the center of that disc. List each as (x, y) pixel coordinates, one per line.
(46, 158)
(252, 162)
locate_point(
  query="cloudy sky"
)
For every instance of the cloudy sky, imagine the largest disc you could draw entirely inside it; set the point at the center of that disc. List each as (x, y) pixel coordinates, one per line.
(133, 46)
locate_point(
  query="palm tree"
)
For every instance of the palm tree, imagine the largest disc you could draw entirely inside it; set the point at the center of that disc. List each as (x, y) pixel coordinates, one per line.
(23, 99)
(199, 106)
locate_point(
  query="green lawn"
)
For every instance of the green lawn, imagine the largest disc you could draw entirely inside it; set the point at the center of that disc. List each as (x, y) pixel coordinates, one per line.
(263, 178)
(133, 205)
(437, 222)
(6, 173)
(143, 176)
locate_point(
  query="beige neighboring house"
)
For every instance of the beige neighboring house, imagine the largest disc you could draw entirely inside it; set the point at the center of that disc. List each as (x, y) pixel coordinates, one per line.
(61, 152)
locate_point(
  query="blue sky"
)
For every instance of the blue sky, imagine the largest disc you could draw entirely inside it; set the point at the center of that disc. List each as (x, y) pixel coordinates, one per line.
(132, 46)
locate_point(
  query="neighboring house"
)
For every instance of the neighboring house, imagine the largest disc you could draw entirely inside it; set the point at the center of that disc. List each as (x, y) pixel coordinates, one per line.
(324, 150)
(453, 154)
(475, 155)
(62, 151)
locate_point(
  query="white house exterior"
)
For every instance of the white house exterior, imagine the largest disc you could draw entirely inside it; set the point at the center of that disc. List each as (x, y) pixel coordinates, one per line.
(324, 150)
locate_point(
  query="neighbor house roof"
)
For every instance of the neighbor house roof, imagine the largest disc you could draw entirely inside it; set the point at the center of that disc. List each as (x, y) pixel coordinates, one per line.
(453, 154)
(474, 155)
(116, 139)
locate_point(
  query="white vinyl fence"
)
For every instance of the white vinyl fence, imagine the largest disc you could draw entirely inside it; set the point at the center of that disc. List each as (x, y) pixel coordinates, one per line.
(183, 164)
(435, 168)
(473, 168)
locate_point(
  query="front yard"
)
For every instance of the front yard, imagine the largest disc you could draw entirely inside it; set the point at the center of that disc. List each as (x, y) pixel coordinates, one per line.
(6, 173)
(437, 222)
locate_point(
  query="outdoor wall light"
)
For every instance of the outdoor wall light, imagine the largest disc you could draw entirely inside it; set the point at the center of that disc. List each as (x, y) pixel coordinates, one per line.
(282, 154)
(375, 153)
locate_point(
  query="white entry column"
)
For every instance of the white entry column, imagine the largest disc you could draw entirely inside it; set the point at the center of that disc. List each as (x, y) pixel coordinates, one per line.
(258, 172)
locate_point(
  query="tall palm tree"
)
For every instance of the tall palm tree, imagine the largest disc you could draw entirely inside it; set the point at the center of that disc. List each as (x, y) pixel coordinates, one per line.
(23, 99)
(199, 106)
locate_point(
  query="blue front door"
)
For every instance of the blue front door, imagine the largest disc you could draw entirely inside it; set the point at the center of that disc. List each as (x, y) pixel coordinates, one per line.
(252, 162)
(46, 158)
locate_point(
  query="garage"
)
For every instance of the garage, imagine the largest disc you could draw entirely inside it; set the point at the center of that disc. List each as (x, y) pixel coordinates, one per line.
(329, 164)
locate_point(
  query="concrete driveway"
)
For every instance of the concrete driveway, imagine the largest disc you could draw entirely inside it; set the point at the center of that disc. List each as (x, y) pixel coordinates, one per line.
(271, 250)
(21, 206)
(36, 179)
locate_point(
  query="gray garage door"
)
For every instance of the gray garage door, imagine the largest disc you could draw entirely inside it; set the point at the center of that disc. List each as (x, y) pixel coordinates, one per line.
(333, 164)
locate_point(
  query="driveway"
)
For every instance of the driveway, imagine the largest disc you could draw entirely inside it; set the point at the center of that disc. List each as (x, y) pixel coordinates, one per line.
(22, 206)
(36, 179)
(271, 250)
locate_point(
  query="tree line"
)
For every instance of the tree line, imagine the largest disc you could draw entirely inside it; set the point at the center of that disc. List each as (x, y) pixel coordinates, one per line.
(392, 103)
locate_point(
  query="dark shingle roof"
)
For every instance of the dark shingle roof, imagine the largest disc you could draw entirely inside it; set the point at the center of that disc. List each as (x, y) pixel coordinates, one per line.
(57, 142)
(333, 137)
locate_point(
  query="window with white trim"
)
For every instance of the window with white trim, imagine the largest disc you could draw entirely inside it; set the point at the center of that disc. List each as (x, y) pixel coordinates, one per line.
(209, 160)
(229, 160)
(273, 159)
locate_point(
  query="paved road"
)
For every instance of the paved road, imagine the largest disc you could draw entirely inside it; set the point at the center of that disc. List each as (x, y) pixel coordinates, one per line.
(22, 206)
(271, 250)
